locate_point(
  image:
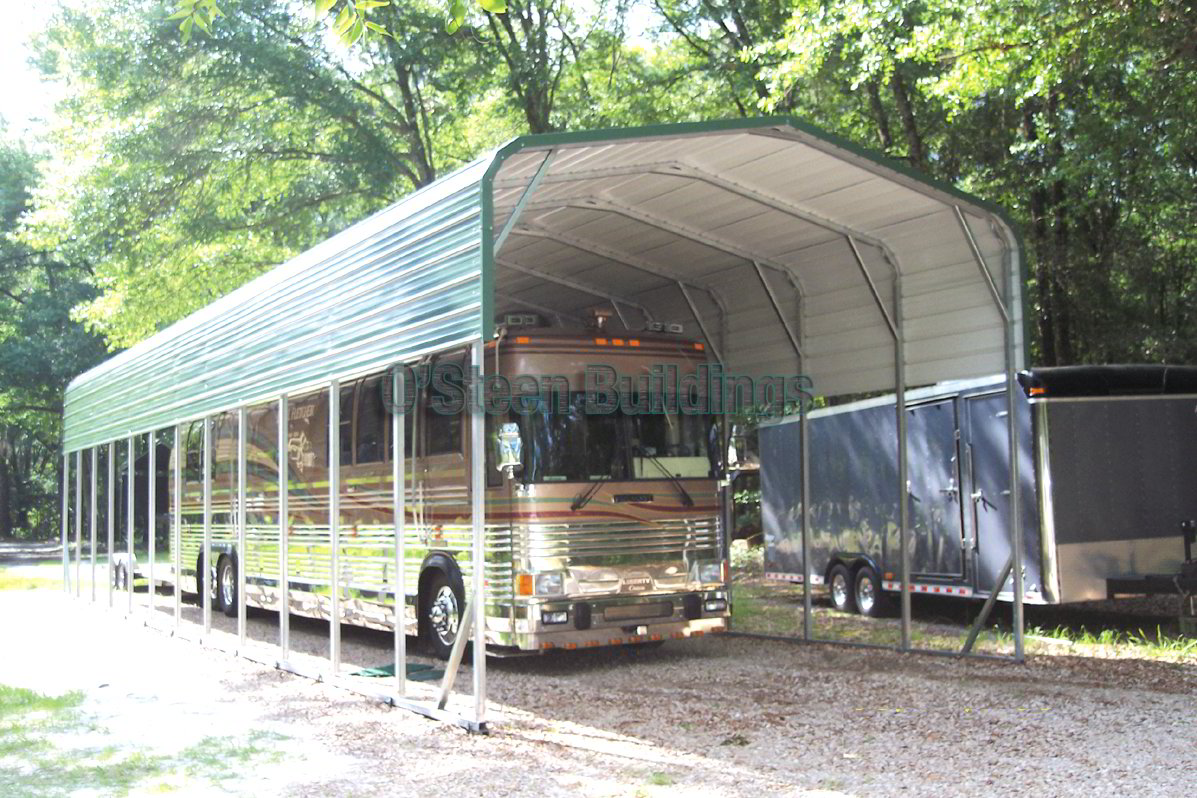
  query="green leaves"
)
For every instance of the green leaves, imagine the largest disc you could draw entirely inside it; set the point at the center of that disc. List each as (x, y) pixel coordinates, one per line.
(457, 15)
(196, 13)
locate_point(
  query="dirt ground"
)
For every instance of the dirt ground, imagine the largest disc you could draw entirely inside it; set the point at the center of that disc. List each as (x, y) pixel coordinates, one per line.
(718, 716)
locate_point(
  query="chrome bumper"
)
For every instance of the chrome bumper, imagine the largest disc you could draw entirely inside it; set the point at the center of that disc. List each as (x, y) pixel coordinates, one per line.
(591, 621)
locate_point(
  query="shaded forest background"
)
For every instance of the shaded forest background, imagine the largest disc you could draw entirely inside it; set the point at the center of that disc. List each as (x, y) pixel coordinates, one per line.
(173, 170)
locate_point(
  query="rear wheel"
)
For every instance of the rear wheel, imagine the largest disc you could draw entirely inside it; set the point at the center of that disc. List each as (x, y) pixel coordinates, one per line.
(839, 585)
(227, 584)
(213, 584)
(440, 616)
(869, 598)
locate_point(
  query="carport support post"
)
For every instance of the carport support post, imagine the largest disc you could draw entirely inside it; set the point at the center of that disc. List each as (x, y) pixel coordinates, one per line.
(111, 516)
(1011, 424)
(478, 515)
(78, 522)
(66, 520)
(241, 558)
(177, 530)
(204, 577)
(398, 500)
(284, 578)
(804, 454)
(903, 500)
(152, 523)
(334, 522)
(130, 471)
(894, 323)
(95, 462)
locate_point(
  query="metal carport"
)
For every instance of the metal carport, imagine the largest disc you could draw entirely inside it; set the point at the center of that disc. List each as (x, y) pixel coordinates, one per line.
(786, 249)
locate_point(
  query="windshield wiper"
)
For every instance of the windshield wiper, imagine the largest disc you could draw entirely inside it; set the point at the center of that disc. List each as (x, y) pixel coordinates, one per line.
(677, 483)
(583, 498)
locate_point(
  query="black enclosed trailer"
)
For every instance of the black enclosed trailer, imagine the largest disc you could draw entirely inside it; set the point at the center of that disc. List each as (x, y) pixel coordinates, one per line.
(1108, 493)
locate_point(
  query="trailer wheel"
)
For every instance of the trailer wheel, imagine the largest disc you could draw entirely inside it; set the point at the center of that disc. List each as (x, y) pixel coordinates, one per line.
(227, 585)
(440, 613)
(839, 585)
(870, 601)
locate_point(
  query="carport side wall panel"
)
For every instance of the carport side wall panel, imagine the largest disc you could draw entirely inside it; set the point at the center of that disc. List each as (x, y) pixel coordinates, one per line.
(403, 282)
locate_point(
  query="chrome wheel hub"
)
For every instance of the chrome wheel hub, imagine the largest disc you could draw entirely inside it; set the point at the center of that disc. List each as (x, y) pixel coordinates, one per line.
(443, 615)
(839, 591)
(865, 595)
(228, 585)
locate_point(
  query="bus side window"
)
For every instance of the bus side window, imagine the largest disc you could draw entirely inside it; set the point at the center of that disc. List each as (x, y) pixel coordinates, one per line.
(443, 429)
(371, 423)
(346, 425)
(193, 470)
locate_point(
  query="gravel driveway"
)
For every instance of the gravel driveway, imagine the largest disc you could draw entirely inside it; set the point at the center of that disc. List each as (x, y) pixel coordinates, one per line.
(718, 716)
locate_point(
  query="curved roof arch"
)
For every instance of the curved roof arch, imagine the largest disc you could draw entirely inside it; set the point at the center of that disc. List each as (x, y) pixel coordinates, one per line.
(787, 249)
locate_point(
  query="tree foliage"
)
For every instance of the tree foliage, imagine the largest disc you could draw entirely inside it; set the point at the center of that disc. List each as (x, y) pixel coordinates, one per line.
(182, 165)
(41, 349)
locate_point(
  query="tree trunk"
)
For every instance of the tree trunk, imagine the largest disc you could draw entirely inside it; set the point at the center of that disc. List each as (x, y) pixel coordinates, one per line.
(914, 141)
(1044, 280)
(5, 497)
(884, 136)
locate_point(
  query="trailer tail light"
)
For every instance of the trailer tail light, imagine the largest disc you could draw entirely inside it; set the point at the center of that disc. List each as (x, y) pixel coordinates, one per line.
(1037, 390)
(525, 585)
(522, 339)
(699, 346)
(725, 572)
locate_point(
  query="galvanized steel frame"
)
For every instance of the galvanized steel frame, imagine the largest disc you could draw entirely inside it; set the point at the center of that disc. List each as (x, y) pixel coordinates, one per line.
(459, 190)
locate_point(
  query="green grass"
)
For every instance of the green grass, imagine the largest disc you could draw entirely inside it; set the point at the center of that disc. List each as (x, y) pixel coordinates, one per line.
(1141, 643)
(31, 765)
(15, 582)
(776, 609)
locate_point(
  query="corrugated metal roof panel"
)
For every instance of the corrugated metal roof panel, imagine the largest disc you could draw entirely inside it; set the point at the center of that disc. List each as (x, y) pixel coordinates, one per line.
(628, 214)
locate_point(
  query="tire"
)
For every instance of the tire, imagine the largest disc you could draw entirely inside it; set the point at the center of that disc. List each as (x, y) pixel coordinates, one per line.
(213, 589)
(867, 593)
(840, 588)
(226, 585)
(440, 614)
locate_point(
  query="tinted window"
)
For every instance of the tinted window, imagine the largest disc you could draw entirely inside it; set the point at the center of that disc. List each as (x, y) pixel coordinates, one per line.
(346, 425)
(442, 411)
(372, 421)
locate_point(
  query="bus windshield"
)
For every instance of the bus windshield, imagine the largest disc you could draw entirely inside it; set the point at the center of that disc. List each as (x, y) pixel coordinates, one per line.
(576, 446)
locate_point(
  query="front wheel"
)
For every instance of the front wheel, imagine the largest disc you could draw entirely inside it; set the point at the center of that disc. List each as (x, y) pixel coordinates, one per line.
(441, 615)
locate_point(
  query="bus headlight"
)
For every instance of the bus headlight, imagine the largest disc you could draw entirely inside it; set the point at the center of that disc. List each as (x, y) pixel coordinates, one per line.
(710, 572)
(551, 583)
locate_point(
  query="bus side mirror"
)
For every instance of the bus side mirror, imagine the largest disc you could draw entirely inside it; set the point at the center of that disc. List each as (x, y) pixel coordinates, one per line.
(511, 449)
